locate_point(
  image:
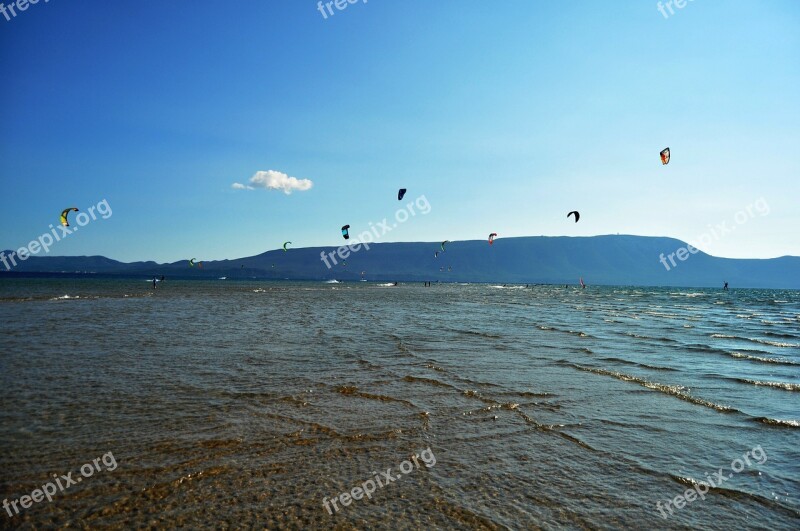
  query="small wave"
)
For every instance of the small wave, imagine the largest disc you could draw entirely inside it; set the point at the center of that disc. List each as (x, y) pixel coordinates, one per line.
(660, 339)
(530, 394)
(674, 390)
(16, 299)
(332, 282)
(779, 422)
(72, 298)
(777, 385)
(430, 381)
(662, 314)
(756, 340)
(577, 333)
(637, 364)
(479, 334)
(763, 359)
(775, 343)
(780, 335)
(352, 390)
(434, 367)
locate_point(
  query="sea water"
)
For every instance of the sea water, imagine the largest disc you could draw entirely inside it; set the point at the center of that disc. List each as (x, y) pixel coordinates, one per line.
(252, 403)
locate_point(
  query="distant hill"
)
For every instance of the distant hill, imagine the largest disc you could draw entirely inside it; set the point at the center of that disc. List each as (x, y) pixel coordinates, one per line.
(612, 260)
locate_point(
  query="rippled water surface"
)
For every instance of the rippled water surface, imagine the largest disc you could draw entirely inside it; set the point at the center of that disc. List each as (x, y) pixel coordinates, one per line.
(239, 404)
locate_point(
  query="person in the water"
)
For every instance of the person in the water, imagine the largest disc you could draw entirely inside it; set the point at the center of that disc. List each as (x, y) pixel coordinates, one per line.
(725, 287)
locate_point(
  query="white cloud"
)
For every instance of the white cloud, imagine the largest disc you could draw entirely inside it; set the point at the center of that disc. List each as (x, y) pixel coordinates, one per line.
(275, 180)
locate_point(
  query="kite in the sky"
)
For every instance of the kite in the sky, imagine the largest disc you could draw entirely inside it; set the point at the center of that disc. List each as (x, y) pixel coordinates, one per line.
(492, 236)
(665, 156)
(345, 233)
(285, 244)
(191, 262)
(577, 215)
(443, 244)
(64, 214)
(401, 193)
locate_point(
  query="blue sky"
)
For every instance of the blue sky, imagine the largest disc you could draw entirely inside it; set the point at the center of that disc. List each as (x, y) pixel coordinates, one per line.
(505, 115)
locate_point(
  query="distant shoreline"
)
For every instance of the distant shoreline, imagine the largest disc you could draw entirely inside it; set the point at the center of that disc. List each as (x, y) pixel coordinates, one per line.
(213, 278)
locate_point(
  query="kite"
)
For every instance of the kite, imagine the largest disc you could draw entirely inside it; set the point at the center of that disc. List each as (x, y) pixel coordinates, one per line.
(345, 233)
(64, 215)
(284, 246)
(577, 215)
(665, 156)
(401, 193)
(191, 262)
(444, 242)
(492, 237)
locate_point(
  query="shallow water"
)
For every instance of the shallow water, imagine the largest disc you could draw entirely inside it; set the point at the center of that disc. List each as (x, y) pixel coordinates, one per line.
(232, 403)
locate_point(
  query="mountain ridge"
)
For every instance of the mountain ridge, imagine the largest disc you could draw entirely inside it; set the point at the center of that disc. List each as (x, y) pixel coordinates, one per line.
(605, 259)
